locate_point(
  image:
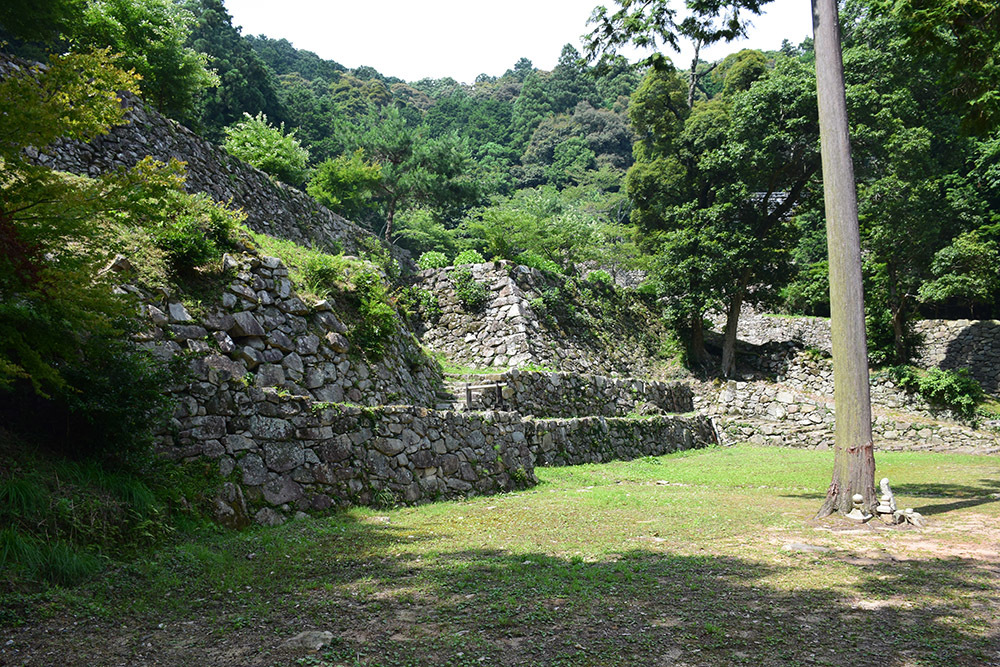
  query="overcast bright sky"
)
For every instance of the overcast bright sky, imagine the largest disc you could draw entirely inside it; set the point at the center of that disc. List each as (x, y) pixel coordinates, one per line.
(413, 39)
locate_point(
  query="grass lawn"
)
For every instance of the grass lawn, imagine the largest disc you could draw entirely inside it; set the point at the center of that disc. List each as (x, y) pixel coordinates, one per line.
(702, 558)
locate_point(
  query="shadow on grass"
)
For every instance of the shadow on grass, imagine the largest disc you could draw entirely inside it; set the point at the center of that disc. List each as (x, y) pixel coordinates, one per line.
(650, 608)
(389, 600)
(965, 496)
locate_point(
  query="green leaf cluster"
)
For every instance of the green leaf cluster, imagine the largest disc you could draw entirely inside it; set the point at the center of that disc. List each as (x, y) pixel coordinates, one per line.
(257, 142)
(953, 389)
(433, 260)
(473, 294)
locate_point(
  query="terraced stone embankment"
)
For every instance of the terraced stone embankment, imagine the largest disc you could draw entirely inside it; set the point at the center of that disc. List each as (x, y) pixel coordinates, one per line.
(296, 418)
(797, 410)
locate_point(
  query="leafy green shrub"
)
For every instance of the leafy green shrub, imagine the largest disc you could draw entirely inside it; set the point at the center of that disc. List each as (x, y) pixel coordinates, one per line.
(184, 244)
(650, 288)
(468, 257)
(433, 260)
(378, 254)
(954, 389)
(268, 148)
(417, 300)
(600, 277)
(420, 230)
(473, 294)
(194, 230)
(535, 261)
(377, 320)
(323, 274)
(345, 184)
(118, 399)
(558, 305)
(809, 293)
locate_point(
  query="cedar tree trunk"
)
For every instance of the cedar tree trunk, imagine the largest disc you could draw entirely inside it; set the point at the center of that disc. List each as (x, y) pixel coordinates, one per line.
(854, 457)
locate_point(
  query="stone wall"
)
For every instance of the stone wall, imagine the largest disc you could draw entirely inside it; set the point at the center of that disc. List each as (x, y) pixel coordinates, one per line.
(600, 439)
(288, 454)
(509, 332)
(572, 394)
(284, 454)
(798, 411)
(947, 344)
(272, 208)
(261, 332)
(278, 395)
(972, 344)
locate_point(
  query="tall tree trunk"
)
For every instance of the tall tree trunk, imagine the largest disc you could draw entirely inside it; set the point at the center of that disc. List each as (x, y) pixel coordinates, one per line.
(389, 215)
(693, 75)
(897, 314)
(854, 456)
(732, 322)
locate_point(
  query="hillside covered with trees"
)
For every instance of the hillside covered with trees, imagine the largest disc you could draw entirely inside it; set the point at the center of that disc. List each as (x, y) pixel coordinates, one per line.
(682, 174)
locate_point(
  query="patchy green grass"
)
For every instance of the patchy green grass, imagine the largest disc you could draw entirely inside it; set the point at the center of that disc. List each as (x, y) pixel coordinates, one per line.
(710, 557)
(451, 368)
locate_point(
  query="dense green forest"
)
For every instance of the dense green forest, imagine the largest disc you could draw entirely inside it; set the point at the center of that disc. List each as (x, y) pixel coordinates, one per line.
(707, 180)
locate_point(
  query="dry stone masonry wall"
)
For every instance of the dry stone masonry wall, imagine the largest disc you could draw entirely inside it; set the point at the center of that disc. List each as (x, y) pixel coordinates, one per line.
(272, 208)
(798, 411)
(276, 396)
(509, 333)
(599, 439)
(947, 344)
(285, 455)
(261, 332)
(558, 394)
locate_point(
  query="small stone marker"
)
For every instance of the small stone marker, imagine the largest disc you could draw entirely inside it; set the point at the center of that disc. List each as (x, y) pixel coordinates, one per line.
(887, 503)
(858, 513)
(909, 516)
(311, 640)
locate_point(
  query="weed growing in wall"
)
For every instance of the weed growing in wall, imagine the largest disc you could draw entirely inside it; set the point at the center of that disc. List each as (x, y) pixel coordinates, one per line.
(535, 261)
(473, 294)
(953, 389)
(377, 321)
(433, 259)
(376, 253)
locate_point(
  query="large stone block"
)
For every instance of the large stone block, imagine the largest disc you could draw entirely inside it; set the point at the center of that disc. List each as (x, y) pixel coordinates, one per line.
(282, 490)
(283, 456)
(245, 324)
(253, 469)
(269, 428)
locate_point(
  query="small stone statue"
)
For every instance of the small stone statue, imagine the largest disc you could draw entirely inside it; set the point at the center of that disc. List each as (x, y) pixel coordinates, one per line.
(887, 503)
(858, 513)
(910, 517)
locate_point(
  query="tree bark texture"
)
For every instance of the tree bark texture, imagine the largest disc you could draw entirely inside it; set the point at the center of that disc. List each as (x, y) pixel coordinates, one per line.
(732, 325)
(693, 74)
(854, 458)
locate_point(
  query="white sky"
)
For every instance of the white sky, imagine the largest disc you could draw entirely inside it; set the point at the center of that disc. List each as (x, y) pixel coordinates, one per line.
(413, 39)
